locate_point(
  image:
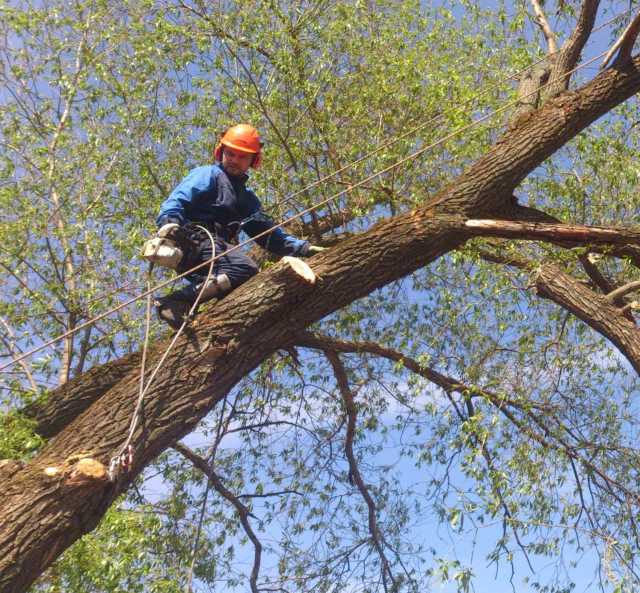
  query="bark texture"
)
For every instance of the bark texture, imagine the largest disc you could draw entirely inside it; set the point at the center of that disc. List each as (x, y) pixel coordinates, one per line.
(566, 59)
(595, 310)
(69, 400)
(43, 513)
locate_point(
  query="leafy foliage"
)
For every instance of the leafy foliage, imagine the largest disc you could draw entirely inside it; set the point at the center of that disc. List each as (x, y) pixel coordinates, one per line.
(128, 552)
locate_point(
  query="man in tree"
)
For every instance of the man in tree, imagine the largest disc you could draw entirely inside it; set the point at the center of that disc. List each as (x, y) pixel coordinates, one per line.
(216, 197)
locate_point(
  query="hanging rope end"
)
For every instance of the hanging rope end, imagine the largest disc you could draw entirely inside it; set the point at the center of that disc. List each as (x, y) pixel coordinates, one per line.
(120, 463)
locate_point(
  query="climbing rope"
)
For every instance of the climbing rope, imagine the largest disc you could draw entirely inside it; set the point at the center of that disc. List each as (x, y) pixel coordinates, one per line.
(123, 460)
(331, 198)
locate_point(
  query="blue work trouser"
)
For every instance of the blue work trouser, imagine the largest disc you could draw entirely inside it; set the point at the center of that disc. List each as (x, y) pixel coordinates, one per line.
(236, 265)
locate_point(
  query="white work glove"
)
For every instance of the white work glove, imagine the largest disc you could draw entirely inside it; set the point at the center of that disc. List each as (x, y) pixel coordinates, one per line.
(167, 230)
(313, 249)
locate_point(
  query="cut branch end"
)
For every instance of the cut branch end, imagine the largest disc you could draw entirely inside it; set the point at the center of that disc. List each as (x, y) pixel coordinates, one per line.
(300, 268)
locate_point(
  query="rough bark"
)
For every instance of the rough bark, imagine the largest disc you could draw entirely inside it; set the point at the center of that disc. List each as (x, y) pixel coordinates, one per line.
(528, 92)
(595, 310)
(44, 512)
(565, 60)
(68, 401)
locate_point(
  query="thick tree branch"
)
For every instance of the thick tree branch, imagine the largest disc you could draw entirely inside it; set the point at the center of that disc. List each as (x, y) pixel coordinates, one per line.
(566, 59)
(555, 233)
(517, 213)
(543, 23)
(594, 273)
(615, 241)
(595, 310)
(624, 43)
(62, 405)
(529, 87)
(599, 280)
(598, 311)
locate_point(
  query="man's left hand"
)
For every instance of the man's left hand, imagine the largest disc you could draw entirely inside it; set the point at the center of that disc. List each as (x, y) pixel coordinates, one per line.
(313, 249)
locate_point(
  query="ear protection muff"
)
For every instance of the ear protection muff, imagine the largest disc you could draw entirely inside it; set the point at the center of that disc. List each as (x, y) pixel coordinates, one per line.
(217, 152)
(257, 160)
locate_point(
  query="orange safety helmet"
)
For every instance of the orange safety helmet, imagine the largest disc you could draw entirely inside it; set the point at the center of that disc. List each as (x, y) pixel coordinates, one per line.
(242, 137)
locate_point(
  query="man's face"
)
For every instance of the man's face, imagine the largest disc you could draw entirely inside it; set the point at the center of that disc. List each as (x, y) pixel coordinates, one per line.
(236, 162)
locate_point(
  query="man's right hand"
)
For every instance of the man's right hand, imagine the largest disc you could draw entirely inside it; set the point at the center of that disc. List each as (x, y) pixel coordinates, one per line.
(172, 231)
(313, 249)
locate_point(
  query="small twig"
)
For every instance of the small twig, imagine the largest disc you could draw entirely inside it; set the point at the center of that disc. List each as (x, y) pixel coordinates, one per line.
(514, 261)
(629, 307)
(13, 350)
(623, 290)
(218, 32)
(242, 510)
(222, 425)
(268, 494)
(486, 453)
(601, 282)
(354, 471)
(448, 384)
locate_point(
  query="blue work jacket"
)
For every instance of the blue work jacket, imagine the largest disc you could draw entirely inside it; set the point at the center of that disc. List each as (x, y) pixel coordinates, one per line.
(208, 196)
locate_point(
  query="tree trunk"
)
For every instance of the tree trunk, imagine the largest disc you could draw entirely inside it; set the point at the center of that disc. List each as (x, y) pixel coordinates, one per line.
(60, 495)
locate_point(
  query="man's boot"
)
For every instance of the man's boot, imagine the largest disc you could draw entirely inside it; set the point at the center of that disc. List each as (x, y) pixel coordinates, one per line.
(172, 309)
(217, 287)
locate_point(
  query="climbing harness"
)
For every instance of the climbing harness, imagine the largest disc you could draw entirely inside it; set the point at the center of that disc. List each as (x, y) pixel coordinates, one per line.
(123, 459)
